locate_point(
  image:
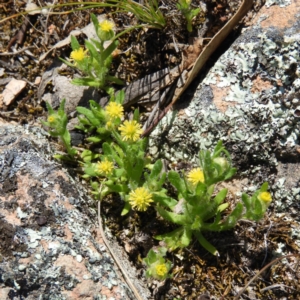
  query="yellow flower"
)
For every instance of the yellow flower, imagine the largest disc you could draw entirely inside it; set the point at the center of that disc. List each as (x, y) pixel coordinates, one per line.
(188, 2)
(140, 199)
(106, 25)
(114, 110)
(104, 167)
(265, 197)
(161, 270)
(51, 119)
(130, 130)
(195, 176)
(78, 55)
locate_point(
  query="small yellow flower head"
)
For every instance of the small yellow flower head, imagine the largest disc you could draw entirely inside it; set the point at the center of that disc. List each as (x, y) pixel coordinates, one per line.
(104, 167)
(106, 25)
(265, 197)
(105, 31)
(114, 110)
(188, 2)
(195, 176)
(78, 55)
(161, 270)
(140, 199)
(51, 119)
(130, 130)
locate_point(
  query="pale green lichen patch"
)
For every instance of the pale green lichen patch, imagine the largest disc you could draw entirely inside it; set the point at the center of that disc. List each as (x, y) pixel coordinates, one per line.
(260, 74)
(281, 3)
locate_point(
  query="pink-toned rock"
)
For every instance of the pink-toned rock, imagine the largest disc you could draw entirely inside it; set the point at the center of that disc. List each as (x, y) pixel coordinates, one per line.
(12, 90)
(50, 243)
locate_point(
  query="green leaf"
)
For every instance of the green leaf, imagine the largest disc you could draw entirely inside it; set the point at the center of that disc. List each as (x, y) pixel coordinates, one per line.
(230, 173)
(114, 80)
(136, 115)
(74, 43)
(201, 189)
(258, 209)
(150, 258)
(164, 200)
(218, 149)
(94, 139)
(186, 237)
(98, 112)
(89, 115)
(264, 187)
(179, 238)
(134, 167)
(118, 139)
(222, 207)
(89, 169)
(161, 181)
(205, 244)
(120, 96)
(97, 44)
(94, 53)
(155, 172)
(95, 21)
(176, 181)
(49, 108)
(194, 12)
(220, 196)
(247, 201)
(119, 172)
(67, 63)
(126, 209)
(107, 149)
(87, 82)
(117, 188)
(110, 152)
(232, 219)
(172, 217)
(109, 50)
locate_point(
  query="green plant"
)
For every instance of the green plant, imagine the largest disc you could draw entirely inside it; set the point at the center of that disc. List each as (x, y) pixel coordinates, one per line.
(95, 62)
(148, 13)
(185, 7)
(122, 167)
(199, 208)
(57, 122)
(157, 266)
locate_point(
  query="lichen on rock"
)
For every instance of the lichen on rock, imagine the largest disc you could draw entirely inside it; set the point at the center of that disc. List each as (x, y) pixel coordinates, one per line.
(50, 243)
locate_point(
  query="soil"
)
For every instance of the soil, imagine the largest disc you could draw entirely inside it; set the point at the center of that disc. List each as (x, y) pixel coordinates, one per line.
(196, 274)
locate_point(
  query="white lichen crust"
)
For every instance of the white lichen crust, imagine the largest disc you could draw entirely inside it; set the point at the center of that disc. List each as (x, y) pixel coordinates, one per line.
(49, 239)
(250, 99)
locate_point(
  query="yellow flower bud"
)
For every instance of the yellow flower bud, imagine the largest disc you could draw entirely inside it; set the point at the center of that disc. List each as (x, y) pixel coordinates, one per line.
(222, 162)
(265, 197)
(51, 119)
(161, 270)
(105, 31)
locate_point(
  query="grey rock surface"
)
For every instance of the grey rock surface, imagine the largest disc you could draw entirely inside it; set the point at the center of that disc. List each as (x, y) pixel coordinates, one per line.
(249, 99)
(64, 89)
(50, 243)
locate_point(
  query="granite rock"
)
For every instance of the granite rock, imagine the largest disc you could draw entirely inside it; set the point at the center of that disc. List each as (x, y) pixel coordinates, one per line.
(249, 99)
(50, 243)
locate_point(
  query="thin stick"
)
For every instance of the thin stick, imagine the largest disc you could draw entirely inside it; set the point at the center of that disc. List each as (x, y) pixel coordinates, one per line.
(17, 52)
(116, 259)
